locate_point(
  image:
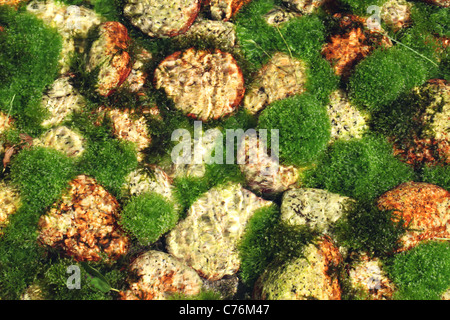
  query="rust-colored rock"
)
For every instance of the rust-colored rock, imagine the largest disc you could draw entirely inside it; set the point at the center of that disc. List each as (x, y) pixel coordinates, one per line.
(204, 85)
(429, 140)
(162, 19)
(108, 54)
(425, 209)
(353, 43)
(83, 224)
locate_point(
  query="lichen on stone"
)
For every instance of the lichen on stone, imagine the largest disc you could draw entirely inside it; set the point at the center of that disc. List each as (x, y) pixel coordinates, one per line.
(158, 275)
(207, 238)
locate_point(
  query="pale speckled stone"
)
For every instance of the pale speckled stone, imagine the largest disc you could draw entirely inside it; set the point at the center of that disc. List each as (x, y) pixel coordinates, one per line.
(262, 172)
(162, 19)
(304, 278)
(279, 15)
(160, 275)
(207, 238)
(201, 152)
(396, 13)
(280, 78)
(316, 208)
(304, 6)
(347, 122)
(370, 280)
(62, 139)
(148, 179)
(221, 33)
(61, 100)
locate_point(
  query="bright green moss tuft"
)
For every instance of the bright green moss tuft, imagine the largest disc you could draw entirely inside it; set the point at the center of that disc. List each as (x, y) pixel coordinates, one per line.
(58, 275)
(27, 47)
(304, 128)
(21, 258)
(302, 38)
(109, 161)
(204, 294)
(423, 273)
(359, 168)
(365, 228)
(41, 175)
(385, 75)
(268, 240)
(438, 175)
(431, 19)
(148, 216)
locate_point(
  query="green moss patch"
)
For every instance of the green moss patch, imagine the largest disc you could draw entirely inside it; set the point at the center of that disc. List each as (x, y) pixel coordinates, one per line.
(359, 168)
(423, 273)
(27, 47)
(148, 216)
(304, 128)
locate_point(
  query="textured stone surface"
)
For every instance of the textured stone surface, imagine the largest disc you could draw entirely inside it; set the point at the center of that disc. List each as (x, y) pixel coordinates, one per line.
(347, 122)
(204, 85)
(72, 22)
(138, 76)
(437, 114)
(280, 78)
(262, 172)
(316, 208)
(83, 223)
(396, 13)
(370, 280)
(424, 207)
(429, 140)
(62, 139)
(224, 9)
(279, 15)
(220, 33)
(304, 6)
(109, 55)
(162, 19)
(201, 152)
(304, 278)
(61, 100)
(157, 275)
(207, 238)
(129, 126)
(149, 179)
(351, 43)
(9, 203)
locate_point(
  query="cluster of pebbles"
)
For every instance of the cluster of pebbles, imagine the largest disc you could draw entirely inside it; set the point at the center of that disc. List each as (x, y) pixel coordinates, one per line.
(202, 249)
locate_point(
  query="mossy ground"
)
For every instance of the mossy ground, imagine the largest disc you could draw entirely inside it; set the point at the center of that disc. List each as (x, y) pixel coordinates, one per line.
(362, 169)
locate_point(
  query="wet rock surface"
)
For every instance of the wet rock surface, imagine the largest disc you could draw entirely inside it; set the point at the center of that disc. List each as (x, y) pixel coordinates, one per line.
(207, 238)
(204, 85)
(159, 275)
(424, 207)
(83, 224)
